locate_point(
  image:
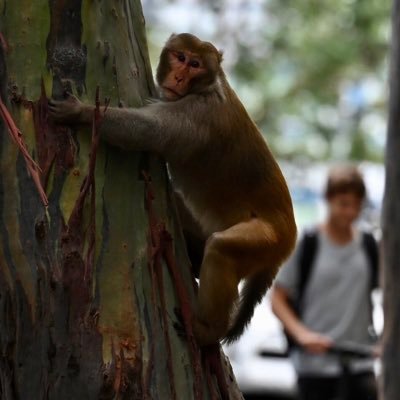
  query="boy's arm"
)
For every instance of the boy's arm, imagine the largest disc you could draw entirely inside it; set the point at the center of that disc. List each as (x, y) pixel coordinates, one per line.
(311, 341)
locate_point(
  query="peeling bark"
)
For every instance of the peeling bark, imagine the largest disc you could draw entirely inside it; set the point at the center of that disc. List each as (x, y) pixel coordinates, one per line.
(89, 285)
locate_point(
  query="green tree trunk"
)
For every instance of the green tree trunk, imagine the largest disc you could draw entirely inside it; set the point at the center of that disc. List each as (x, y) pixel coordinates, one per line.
(88, 285)
(391, 225)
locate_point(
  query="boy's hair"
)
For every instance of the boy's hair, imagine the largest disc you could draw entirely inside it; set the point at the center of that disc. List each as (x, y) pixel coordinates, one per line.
(345, 179)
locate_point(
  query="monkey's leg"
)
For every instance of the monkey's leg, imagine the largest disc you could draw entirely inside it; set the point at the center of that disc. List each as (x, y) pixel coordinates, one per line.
(230, 255)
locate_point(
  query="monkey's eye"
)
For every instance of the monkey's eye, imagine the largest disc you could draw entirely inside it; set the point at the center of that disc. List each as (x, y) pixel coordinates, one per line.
(194, 64)
(181, 57)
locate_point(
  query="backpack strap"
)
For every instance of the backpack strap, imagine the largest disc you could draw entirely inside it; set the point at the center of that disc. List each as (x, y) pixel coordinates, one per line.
(307, 253)
(371, 250)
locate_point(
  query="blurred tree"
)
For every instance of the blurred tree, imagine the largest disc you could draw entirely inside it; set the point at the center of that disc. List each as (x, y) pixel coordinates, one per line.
(391, 225)
(318, 62)
(89, 284)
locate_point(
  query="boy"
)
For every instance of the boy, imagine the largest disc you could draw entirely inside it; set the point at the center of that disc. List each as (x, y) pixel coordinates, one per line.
(329, 278)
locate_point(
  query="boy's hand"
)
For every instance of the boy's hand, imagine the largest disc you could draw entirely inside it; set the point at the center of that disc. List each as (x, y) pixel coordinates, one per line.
(314, 342)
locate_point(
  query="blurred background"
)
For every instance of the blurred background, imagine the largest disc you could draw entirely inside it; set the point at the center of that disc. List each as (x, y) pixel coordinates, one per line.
(313, 75)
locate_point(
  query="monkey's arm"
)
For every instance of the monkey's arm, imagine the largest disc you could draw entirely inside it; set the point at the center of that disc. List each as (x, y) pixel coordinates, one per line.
(163, 128)
(133, 129)
(157, 127)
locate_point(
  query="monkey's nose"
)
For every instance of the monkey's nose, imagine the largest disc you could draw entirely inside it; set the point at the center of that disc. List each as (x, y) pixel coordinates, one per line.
(178, 79)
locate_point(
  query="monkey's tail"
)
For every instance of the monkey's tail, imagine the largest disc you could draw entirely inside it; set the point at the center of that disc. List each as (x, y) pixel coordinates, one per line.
(252, 293)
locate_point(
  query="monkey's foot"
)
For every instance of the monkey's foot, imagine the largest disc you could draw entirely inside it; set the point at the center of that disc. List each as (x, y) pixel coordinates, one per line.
(207, 334)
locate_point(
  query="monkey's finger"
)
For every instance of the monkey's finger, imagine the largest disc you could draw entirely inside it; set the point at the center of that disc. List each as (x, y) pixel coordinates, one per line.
(57, 106)
(57, 113)
(54, 111)
(68, 96)
(54, 103)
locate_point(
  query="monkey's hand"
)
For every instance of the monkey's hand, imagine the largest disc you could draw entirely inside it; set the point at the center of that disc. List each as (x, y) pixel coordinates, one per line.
(70, 111)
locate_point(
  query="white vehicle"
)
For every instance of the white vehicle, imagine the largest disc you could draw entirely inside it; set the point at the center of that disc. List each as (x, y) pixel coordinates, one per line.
(259, 359)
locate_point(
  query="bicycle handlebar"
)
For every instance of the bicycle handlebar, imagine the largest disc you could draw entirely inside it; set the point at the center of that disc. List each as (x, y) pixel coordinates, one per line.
(352, 350)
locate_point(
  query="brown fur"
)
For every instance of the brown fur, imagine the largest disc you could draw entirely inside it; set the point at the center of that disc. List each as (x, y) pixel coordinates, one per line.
(224, 172)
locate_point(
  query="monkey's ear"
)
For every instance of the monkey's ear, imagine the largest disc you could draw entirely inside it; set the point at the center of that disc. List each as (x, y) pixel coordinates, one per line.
(220, 56)
(173, 35)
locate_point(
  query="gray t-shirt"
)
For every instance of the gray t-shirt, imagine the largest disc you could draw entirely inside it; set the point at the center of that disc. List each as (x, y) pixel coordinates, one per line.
(335, 302)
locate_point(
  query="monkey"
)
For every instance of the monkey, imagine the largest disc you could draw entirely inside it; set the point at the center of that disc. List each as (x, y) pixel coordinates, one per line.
(224, 171)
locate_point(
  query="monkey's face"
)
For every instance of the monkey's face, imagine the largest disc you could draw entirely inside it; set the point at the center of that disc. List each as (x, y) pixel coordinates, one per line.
(187, 65)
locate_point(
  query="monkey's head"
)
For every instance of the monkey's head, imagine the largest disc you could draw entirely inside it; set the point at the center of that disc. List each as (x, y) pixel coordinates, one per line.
(187, 65)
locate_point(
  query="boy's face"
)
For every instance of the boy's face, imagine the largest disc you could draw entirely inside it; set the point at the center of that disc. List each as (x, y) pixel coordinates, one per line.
(344, 209)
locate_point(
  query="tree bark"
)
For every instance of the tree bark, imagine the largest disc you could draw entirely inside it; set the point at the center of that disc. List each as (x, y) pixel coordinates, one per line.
(391, 225)
(89, 284)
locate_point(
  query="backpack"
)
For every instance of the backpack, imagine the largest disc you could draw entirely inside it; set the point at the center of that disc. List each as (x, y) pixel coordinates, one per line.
(307, 252)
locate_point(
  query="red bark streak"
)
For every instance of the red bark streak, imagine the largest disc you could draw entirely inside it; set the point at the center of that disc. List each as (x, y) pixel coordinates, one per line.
(210, 384)
(212, 357)
(156, 273)
(150, 366)
(160, 282)
(186, 311)
(74, 222)
(77, 276)
(91, 183)
(46, 145)
(17, 137)
(160, 235)
(163, 245)
(54, 143)
(3, 43)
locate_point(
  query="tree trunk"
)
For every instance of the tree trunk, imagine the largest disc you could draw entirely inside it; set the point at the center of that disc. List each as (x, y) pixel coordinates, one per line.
(89, 284)
(391, 225)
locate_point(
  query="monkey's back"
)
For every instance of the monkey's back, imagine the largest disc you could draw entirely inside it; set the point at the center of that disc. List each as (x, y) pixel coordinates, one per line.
(233, 176)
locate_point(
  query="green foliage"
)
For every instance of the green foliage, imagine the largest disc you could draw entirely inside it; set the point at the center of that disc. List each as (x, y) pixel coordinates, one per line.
(314, 53)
